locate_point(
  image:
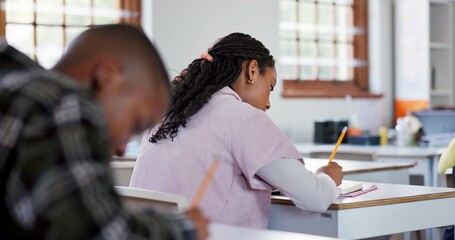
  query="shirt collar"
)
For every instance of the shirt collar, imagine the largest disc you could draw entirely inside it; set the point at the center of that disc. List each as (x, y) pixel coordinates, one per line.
(12, 60)
(227, 90)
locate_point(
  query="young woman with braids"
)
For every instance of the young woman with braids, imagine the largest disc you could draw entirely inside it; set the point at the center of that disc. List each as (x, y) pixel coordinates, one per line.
(218, 112)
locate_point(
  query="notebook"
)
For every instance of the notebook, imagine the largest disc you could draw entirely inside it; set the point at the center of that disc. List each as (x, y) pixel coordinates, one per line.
(360, 192)
(348, 187)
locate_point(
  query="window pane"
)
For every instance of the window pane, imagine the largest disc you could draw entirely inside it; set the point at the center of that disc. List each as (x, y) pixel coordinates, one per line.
(307, 14)
(344, 61)
(325, 29)
(344, 2)
(19, 11)
(307, 35)
(326, 73)
(307, 73)
(343, 73)
(106, 11)
(326, 50)
(77, 12)
(325, 14)
(308, 49)
(109, 4)
(287, 34)
(344, 24)
(326, 22)
(344, 51)
(288, 72)
(21, 37)
(49, 12)
(49, 49)
(288, 48)
(287, 11)
(72, 33)
(326, 32)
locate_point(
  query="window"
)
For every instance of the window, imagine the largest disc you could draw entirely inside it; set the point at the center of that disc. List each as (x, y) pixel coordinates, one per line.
(42, 29)
(324, 48)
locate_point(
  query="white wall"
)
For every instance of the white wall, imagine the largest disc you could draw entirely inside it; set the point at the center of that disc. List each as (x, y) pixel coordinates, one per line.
(184, 29)
(412, 38)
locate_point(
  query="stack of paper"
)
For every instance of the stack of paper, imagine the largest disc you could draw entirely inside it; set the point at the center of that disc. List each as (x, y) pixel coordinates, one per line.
(359, 192)
(348, 187)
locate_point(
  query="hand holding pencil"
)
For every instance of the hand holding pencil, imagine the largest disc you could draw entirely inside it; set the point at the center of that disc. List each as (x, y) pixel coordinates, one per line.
(332, 168)
(340, 139)
(334, 171)
(194, 214)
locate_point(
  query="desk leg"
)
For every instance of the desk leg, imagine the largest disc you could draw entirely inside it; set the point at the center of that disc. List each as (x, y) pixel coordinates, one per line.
(429, 233)
(436, 177)
(407, 236)
(429, 173)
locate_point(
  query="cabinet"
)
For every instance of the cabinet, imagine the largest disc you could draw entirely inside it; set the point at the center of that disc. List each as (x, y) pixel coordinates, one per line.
(442, 86)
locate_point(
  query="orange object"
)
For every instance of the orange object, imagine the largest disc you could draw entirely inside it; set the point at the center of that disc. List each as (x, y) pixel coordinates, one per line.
(402, 107)
(354, 132)
(205, 183)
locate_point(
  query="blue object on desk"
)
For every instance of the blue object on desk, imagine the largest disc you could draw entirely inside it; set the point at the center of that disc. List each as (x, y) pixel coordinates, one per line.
(437, 121)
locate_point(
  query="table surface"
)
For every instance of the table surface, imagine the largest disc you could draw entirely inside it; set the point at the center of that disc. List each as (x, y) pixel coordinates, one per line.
(226, 232)
(306, 147)
(354, 166)
(384, 195)
(380, 151)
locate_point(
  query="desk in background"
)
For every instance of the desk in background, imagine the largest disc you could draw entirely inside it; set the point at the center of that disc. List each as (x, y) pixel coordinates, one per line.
(390, 209)
(383, 172)
(426, 159)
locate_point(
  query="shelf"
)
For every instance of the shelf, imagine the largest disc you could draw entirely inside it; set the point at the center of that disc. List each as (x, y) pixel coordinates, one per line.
(440, 93)
(440, 45)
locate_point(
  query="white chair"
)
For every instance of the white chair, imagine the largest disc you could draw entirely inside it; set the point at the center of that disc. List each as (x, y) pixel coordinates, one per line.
(346, 155)
(138, 198)
(447, 179)
(122, 171)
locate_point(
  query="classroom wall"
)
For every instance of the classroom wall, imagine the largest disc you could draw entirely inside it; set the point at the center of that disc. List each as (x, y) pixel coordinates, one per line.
(183, 30)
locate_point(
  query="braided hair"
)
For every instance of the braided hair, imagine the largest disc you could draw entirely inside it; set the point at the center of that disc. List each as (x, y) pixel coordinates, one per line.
(196, 84)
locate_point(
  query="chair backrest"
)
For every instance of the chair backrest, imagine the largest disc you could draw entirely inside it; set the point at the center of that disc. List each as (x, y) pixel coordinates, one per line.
(122, 171)
(447, 179)
(346, 155)
(139, 198)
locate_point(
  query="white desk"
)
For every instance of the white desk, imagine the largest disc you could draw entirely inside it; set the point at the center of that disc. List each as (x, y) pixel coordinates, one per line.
(226, 232)
(388, 210)
(426, 159)
(369, 171)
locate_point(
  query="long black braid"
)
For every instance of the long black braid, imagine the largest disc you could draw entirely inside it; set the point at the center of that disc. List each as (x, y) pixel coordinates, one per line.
(196, 84)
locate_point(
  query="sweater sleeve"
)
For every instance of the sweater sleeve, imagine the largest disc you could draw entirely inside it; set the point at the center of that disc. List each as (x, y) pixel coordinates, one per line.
(447, 158)
(308, 190)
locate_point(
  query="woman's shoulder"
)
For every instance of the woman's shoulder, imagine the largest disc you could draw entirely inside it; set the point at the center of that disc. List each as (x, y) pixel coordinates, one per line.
(228, 107)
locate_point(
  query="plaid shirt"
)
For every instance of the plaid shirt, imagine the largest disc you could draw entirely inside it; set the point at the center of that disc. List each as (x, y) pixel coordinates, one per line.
(54, 173)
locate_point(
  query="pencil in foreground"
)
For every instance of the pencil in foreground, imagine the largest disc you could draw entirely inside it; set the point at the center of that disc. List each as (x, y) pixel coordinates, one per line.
(343, 132)
(205, 183)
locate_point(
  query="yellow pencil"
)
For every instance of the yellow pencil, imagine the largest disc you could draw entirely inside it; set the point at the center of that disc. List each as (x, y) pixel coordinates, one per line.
(343, 132)
(205, 183)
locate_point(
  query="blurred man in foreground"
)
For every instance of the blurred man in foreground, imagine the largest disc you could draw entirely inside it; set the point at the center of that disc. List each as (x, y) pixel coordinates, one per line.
(59, 129)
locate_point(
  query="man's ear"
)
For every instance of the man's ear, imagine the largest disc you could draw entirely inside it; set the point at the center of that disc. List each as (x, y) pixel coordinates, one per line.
(253, 70)
(106, 73)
